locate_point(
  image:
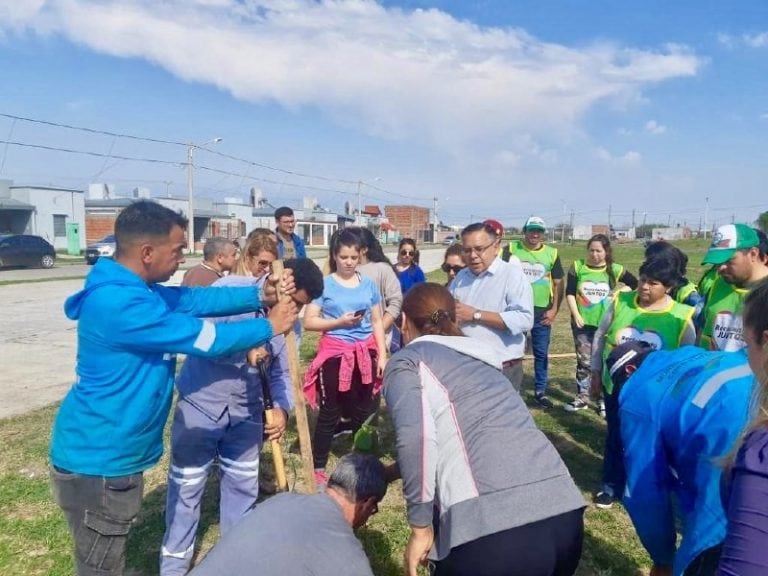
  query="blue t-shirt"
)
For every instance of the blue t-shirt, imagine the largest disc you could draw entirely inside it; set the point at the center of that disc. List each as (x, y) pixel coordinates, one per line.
(337, 300)
(410, 276)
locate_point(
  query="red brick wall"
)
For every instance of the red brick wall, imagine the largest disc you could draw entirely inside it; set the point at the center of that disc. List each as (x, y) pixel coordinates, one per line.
(96, 227)
(410, 221)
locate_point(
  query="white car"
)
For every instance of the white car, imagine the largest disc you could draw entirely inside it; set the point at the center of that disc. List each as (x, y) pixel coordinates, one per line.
(104, 248)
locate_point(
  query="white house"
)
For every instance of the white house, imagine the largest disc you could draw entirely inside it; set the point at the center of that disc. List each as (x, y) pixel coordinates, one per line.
(44, 211)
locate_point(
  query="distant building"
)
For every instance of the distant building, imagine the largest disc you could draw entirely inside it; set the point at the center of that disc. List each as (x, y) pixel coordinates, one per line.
(625, 234)
(678, 233)
(102, 208)
(56, 214)
(410, 221)
(585, 232)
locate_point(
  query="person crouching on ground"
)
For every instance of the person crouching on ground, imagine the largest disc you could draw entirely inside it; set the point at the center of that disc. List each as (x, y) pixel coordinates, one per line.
(305, 535)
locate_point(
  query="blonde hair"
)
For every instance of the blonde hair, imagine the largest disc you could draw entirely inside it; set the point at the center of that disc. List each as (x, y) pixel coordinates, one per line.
(258, 241)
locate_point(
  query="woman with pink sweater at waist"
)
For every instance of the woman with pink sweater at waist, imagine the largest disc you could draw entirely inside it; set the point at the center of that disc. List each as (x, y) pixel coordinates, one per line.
(351, 353)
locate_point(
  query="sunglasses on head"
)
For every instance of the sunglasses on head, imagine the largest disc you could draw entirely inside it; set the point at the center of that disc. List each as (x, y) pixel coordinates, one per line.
(455, 269)
(406, 252)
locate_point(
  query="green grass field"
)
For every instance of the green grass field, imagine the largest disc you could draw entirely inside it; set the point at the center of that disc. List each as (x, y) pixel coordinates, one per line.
(33, 533)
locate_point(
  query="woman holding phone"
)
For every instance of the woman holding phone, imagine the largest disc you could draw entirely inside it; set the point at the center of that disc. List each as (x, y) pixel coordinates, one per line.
(351, 353)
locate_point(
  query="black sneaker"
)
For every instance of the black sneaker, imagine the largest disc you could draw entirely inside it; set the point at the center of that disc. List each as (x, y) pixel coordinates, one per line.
(543, 402)
(604, 500)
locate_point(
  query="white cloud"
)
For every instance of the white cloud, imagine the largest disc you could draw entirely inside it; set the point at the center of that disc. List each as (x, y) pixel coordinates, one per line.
(726, 40)
(731, 41)
(420, 75)
(653, 127)
(756, 40)
(506, 159)
(629, 158)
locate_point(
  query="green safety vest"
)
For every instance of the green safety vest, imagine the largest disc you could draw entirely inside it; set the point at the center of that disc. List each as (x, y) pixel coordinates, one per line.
(683, 292)
(662, 329)
(537, 265)
(723, 328)
(593, 290)
(708, 280)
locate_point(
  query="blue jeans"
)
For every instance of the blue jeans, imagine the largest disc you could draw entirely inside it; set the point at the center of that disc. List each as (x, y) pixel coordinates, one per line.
(540, 335)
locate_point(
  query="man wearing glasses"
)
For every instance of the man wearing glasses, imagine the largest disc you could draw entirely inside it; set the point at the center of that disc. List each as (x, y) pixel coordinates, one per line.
(494, 301)
(289, 244)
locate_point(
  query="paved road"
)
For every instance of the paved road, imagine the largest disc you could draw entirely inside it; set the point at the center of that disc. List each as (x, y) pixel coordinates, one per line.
(38, 344)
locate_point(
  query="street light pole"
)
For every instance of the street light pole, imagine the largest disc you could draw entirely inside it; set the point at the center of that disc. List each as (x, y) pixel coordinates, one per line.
(191, 192)
(359, 219)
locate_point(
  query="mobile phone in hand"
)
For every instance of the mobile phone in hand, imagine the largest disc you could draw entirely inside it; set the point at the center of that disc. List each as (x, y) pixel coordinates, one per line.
(360, 313)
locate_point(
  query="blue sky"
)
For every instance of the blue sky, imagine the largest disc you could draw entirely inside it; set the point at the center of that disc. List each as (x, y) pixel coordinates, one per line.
(499, 109)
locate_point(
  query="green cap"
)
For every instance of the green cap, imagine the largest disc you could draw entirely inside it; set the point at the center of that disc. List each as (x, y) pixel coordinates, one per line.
(727, 240)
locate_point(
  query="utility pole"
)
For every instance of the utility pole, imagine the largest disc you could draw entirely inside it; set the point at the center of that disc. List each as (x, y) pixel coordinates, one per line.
(359, 219)
(434, 218)
(706, 216)
(645, 231)
(609, 221)
(562, 226)
(571, 227)
(191, 191)
(633, 217)
(190, 199)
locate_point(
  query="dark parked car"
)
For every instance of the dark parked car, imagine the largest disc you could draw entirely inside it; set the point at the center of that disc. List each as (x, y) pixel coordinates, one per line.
(104, 248)
(26, 250)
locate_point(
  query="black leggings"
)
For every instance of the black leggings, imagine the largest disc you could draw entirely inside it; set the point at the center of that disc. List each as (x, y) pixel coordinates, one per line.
(549, 547)
(357, 403)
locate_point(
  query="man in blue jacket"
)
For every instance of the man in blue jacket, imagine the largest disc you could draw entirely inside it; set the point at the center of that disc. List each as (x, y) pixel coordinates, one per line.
(109, 427)
(680, 411)
(289, 244)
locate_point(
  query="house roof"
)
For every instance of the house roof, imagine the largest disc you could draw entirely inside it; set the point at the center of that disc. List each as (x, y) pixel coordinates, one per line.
(372, 210)
(13, 204)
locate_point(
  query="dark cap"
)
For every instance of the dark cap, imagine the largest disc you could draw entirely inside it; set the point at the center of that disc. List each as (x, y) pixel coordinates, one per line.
(630, 352)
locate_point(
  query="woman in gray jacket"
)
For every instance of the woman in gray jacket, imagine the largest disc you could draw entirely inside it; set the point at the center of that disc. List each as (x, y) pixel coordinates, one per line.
(487, 494)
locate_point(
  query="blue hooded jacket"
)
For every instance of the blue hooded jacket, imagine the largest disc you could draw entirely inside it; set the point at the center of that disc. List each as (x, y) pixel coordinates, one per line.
(129, 332)
(680, 412)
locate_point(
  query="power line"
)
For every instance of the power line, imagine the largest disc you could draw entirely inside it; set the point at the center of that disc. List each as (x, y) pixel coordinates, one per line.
(169, 142)
(92, 130)
(90, 153)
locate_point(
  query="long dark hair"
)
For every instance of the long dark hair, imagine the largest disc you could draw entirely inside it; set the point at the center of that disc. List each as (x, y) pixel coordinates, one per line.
(374, 251)
(605, 242)
(432, 309)
(341, 238)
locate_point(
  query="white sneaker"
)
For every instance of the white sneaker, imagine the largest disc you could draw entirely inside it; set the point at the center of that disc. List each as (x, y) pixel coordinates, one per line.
(578, 403)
